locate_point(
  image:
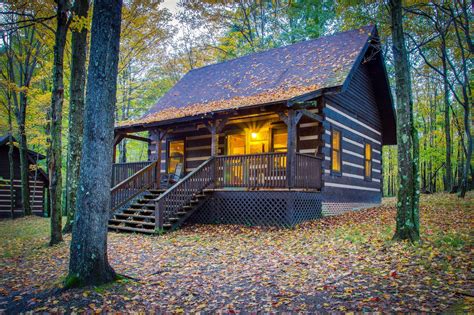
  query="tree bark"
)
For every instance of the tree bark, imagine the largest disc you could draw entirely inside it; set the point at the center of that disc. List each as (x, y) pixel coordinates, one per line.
(88, 262)
(24, 164)
(76, 111)
(447, 122)
(11, 166)
(57, 100)
(407, 227)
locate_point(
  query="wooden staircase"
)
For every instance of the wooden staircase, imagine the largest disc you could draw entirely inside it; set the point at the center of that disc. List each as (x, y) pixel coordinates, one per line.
(155, 210)
(139, 217)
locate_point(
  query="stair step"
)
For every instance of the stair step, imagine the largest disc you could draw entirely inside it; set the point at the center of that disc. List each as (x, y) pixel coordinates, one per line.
(132, 222)
(174, 219)
(200, 196)
(130, 229)
(181, 213)
(157, 191)
(135, 216)
(142, 205)
(194, 201)
(139, 210)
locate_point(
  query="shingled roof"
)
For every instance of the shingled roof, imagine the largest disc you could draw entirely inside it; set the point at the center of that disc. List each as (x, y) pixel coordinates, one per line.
(275, 75)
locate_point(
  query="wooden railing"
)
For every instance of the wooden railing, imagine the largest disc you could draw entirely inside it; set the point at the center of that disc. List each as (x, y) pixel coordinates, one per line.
(308, 171)
(173, 200)
(264, 170)
(122, 171)
(142, 180)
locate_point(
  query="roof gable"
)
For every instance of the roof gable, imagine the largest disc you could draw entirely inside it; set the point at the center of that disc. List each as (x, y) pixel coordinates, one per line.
(275, 75)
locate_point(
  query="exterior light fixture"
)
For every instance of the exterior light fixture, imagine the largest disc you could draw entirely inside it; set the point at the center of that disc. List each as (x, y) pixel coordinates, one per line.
(254, 135)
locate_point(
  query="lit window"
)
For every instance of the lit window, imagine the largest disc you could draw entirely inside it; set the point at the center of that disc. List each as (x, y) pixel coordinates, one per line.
(279, 140)
(368, 161)
(336, 151)
(175, 155)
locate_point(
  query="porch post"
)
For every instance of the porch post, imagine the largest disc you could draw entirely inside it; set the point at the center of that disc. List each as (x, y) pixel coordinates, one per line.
(292, 121)
(160, 134)
(214, 139)
(117, 139)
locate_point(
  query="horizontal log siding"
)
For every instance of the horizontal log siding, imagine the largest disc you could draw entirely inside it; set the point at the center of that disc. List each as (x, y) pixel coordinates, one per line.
(37, 195)
(359, 98)
(350, 185)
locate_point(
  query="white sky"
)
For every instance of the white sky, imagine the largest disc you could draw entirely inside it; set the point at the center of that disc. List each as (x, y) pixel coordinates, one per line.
(170, 5)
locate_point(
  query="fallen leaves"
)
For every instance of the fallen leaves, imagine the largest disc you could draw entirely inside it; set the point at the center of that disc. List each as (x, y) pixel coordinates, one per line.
(343, 263)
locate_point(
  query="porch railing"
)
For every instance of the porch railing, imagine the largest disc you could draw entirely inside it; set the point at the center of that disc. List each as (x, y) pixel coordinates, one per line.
(170, 202)
(142, 180)
(264, 170)
(122, 171)
(308, 171)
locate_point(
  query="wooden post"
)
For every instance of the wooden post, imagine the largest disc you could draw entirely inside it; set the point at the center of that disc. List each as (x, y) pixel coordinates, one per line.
(215, 128)
(158, 216)
(160, 135)
(292, 122)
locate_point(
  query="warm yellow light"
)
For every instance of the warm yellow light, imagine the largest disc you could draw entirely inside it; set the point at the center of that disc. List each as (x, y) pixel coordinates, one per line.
(254, 135)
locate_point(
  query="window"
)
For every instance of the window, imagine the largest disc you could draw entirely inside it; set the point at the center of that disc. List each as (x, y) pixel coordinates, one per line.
(236, 144)
(279, 140)
(336, 151)
(368, 161)
(175, 155)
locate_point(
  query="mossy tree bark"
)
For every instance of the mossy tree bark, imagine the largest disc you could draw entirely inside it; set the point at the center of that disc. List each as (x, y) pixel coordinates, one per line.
(57, 100)
(76, 110)
(408, 225)
(88, 264)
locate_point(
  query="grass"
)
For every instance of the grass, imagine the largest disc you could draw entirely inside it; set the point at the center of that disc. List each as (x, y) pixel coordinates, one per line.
(348, 261)
(21, 236)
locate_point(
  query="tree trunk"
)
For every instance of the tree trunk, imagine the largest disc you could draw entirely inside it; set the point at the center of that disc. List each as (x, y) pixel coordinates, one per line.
(467, 163)
(447, 123)
(76, 111)
(407, 227)
(11, 167)
(57, 100)
(88, 262)
(24, 165)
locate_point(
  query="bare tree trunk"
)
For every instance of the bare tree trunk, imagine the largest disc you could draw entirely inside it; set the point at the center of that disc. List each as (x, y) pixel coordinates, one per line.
(88, 262)
(447, 122)
(24, 165)
(57, 100)
(76, 111)
(407, 227)
(11, 166)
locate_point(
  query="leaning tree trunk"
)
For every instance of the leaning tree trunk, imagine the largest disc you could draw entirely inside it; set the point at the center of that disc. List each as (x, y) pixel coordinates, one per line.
(407, 227)
(76, 111)
(447, 123)
(467, 163)
(57, 100)
(88, 262)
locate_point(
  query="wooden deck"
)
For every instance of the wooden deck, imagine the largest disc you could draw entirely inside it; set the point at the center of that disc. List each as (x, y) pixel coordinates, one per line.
(168, 209)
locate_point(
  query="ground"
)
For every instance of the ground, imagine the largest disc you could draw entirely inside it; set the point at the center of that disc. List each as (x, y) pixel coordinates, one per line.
(344, 263)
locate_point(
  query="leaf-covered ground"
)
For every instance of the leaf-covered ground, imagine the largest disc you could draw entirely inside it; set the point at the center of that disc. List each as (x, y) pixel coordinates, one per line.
(344, 263)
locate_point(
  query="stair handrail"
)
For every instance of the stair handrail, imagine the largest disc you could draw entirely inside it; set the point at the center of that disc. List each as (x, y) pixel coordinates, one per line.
(178, 195)
(137, 183)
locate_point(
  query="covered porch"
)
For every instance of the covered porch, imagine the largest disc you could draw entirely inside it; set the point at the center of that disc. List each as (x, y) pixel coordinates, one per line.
(256, 149)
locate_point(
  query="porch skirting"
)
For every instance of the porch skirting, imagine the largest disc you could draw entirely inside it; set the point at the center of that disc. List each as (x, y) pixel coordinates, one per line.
(259, 208)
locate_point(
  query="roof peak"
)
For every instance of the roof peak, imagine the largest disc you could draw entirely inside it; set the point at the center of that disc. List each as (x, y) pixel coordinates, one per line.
(302, 42)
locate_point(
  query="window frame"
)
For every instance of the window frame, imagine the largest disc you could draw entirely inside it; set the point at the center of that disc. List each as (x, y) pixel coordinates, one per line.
(335, 172)
(273, 130)
(368, 178)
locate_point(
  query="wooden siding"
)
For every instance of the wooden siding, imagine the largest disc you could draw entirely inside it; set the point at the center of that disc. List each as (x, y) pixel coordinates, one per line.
(360, 98)
(37, 195)
(350, 185)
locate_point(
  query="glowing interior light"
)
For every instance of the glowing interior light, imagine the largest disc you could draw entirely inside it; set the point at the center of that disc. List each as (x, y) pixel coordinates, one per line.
(254, 135)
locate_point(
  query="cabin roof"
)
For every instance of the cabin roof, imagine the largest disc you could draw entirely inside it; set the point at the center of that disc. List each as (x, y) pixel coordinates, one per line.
(278, 75)
(32, 154)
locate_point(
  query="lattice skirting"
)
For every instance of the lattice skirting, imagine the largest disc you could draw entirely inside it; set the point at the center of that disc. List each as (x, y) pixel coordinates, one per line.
(262, 208)
(335, 208)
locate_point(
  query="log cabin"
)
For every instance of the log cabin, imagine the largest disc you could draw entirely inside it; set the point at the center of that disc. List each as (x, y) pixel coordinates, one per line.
(38, 181)
(272, 138)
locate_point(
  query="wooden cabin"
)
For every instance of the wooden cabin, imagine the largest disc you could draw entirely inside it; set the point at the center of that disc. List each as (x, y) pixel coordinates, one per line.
(272, 138)
(38, 181)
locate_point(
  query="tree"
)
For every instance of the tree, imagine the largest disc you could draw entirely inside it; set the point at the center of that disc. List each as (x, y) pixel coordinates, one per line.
(79, 29)
(57, 100)
(408, 226)
(88, 262)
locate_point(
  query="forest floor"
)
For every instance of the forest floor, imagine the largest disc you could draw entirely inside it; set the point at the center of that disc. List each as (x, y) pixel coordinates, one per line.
(343, 263)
